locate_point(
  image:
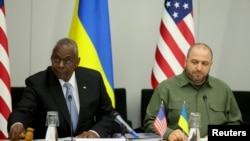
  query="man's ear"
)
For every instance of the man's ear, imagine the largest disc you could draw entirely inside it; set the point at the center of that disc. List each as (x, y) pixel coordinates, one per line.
(78, 61)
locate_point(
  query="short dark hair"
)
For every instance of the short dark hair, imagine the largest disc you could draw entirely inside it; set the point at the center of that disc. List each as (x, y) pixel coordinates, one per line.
(64, 41)
(200, 44)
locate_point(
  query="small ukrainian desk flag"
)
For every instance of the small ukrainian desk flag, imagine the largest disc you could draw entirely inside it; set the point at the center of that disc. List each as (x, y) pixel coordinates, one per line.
(183, 120)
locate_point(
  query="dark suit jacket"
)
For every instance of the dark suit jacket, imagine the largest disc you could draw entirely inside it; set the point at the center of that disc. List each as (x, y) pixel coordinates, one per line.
(43, 93)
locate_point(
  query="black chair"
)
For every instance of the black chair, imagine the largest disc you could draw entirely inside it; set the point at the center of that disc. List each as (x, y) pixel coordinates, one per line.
(16, 95)
(145, 97)
(121, 103)
(243, 98)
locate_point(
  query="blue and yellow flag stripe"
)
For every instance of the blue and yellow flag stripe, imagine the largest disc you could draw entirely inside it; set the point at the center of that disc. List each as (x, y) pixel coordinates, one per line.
(90, 29)
(183, 120)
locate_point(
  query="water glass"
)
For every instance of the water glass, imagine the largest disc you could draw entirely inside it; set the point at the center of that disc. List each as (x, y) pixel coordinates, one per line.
(52, 119)
(194, 120)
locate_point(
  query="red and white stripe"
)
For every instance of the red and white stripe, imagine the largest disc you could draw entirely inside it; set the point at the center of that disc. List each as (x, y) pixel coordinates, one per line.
(173, 44)
(160, 123)
(5, 94)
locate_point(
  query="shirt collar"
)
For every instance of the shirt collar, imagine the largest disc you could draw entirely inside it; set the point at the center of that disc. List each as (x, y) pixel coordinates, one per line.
(185, 81)
(72, 81)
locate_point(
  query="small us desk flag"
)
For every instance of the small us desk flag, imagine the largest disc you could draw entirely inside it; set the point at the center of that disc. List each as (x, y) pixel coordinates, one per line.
(176, 36)
(183, 120)
(5, 95)
(160, 123)
(91, 31)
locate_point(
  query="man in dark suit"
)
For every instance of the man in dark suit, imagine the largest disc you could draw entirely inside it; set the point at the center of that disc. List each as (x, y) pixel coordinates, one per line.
(45, 92)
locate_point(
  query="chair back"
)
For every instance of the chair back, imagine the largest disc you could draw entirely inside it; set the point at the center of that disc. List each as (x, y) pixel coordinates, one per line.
(146, 95)
(243, 98)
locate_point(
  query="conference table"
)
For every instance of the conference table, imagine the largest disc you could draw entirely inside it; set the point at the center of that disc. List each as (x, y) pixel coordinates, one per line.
(80, 139)
(116, 137)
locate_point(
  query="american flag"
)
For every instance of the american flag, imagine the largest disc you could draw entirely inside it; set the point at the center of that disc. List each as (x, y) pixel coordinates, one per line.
(176, 36)
(160, 123)
(5, 96)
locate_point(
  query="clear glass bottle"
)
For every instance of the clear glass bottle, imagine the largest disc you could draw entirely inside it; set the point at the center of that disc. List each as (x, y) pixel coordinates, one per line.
(52, 122)
(194, 126)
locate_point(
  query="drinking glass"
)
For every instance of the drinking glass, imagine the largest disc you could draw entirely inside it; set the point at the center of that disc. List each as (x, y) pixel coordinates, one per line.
(194, 125)
(52, 119)
(194, 120)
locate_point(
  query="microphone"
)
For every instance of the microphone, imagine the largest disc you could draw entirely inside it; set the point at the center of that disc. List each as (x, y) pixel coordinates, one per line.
(71, 126)
(205, 100)
(116, 116)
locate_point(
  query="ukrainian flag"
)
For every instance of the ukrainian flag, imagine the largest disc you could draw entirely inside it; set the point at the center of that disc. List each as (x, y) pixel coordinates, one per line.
(90, 29)
(183, 120)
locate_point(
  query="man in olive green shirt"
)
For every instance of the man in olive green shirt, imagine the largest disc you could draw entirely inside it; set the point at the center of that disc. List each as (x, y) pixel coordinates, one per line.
(202, 93)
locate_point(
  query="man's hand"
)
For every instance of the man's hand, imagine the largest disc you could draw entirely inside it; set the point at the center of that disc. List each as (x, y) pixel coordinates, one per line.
(177, 135)
(87, 134)
(16, 132)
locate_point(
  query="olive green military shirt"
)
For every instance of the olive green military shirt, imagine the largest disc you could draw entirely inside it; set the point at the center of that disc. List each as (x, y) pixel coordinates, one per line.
(221, 103)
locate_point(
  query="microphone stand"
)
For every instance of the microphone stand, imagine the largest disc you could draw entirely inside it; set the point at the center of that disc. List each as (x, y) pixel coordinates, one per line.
(119, 120)
(123, 130)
